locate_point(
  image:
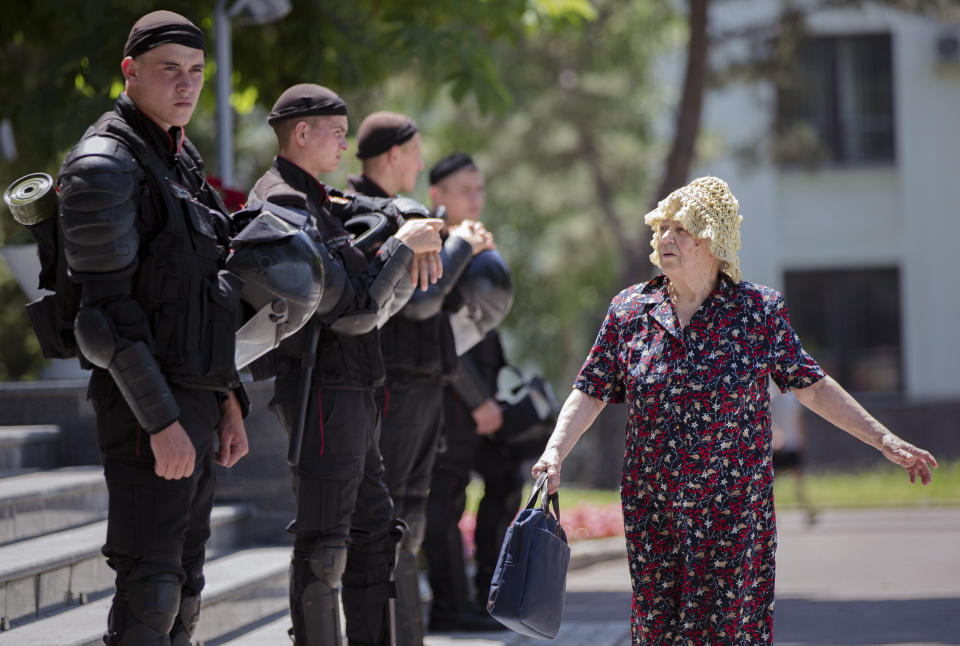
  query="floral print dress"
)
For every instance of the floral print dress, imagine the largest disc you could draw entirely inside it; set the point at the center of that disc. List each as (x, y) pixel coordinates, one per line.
(697, 487)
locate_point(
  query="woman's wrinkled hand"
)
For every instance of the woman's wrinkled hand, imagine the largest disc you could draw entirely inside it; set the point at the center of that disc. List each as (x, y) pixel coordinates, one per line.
(916, 461)
(548, 463)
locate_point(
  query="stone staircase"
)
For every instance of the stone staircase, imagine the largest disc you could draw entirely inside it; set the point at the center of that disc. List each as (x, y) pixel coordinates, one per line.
(55, 586)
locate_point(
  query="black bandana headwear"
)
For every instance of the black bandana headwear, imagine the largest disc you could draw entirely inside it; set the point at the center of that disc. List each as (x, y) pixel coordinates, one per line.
(160, 28)
(381, 131)
(306, 100)
(450, 165)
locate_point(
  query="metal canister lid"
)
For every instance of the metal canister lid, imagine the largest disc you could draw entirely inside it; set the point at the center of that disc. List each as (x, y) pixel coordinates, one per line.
(31, 199)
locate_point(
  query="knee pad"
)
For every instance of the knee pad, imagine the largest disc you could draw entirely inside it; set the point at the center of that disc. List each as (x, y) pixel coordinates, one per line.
(154, 603)
(416, 522)
(328, 560)
(314, 597)
(369, 587)
(186, 622)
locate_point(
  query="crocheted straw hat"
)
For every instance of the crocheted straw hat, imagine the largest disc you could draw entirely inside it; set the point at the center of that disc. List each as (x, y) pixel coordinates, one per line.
(707, 209)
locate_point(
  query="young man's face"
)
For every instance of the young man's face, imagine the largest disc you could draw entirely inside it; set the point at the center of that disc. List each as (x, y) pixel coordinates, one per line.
(409, 163)
(462, 193)
(324, 140)
(165, 82)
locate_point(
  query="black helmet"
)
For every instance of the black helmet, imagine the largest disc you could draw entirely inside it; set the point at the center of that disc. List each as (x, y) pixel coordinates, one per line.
(371, 229)
(486, 292)
(283, 273)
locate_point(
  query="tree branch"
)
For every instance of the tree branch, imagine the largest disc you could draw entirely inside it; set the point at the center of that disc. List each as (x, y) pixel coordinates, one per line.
(691, 103)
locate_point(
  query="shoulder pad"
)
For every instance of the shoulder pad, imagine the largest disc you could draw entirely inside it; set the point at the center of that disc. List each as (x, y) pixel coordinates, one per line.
(272, 188)
(289, 199)
(100, 151)
(409, 207)
(98, 204)
(99, 173)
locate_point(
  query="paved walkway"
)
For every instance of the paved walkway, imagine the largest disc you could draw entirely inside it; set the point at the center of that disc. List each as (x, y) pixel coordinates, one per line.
(854, 578)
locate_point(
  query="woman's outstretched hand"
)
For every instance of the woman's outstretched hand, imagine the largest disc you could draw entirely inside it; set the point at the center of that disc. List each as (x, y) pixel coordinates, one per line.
(916, 461)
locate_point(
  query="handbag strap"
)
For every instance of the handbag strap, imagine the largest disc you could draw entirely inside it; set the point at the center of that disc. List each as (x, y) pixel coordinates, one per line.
(540, 489)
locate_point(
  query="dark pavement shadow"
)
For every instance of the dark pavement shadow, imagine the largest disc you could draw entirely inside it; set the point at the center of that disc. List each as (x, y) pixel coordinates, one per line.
(806, 621)
(597, 606)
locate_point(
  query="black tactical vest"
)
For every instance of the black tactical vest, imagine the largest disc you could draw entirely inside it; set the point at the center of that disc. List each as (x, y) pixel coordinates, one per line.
(419, 350)
(192, 306)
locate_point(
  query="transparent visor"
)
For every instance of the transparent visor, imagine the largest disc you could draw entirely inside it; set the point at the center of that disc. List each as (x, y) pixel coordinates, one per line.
(466, 334)
(261, 334)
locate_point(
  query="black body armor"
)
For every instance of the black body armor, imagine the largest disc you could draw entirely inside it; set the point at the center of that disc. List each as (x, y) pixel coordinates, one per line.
(145, 236)
(348, 349)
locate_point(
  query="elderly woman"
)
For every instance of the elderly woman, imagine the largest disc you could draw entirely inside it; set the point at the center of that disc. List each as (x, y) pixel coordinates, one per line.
(691, 352)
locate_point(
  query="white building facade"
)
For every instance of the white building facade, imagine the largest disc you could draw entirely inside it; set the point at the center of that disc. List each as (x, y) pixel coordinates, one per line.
(865, 244)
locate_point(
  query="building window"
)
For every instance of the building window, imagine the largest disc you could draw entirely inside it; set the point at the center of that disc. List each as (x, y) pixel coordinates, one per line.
(837, 103)
(849, 321)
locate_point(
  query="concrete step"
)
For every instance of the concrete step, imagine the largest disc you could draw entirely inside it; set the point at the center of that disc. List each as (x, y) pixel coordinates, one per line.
(50, 572)
(271, 633)
(242, 589)
(38, 503)
(28, 447)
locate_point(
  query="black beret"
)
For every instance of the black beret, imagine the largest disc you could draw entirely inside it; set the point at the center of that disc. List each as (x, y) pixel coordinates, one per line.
(306, 100)
(450, 165)
(380, 131)
(160, 28)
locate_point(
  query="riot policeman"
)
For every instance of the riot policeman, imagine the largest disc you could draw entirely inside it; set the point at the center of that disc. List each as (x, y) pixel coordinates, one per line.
(471, 416)
(344, 529)
(144, 237)
(419, 354)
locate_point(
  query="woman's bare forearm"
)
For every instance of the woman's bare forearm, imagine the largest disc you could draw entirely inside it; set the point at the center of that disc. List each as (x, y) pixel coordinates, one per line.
(830, 401)
(578, 413)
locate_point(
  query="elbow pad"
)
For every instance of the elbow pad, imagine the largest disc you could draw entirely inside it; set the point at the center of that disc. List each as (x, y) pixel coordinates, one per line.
(98, 206)
(337, 290)
(388, 287)
(144, 388)
(402, 296)
(335, 285)
(356, 323)
(385, 292)
(133, 369)
(455, 256)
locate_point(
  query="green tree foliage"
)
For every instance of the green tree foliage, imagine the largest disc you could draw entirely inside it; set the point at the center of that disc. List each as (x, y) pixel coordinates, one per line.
(570, 169)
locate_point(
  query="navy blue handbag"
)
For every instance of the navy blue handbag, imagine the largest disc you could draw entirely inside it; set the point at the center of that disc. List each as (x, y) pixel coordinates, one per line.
(530, 582)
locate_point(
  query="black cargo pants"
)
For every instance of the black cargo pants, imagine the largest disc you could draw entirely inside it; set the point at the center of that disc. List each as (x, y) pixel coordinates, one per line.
(154, 526)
